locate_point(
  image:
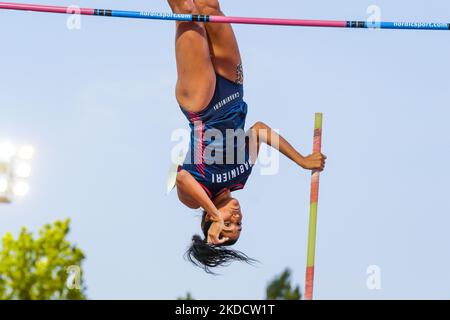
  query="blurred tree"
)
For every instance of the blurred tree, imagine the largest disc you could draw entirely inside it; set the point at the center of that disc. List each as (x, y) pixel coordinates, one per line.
(187, 297)
(280, 288)
(47, 267)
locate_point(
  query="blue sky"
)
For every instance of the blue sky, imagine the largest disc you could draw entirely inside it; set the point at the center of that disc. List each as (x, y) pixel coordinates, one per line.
(98, 104)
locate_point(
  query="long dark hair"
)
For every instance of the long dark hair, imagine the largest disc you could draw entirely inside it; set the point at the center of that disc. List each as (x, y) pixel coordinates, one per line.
(207, 256)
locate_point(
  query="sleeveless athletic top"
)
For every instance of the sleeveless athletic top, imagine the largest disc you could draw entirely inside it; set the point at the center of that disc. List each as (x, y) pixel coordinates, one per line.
(219, 157)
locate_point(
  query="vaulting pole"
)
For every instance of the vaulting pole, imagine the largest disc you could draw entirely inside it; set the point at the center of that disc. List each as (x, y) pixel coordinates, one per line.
(314, 200)
(220, 19)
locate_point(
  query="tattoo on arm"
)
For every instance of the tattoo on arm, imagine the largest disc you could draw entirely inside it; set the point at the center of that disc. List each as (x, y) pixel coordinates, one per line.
(240, 74)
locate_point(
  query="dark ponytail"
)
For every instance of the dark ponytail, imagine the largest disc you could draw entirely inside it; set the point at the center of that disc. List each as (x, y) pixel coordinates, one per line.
(207, 256)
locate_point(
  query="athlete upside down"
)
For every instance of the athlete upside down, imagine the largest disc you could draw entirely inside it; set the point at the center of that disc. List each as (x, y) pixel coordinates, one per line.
(210, 93)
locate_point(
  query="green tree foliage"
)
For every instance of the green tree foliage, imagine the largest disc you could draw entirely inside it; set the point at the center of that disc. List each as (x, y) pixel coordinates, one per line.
(39, 268)
(281, 289)
(187, 297)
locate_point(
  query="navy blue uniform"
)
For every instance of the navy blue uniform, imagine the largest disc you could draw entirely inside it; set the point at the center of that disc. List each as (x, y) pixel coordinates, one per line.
(219, 157)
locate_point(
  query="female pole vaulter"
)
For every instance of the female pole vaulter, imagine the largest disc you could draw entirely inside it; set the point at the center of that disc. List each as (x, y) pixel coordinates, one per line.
(210, 93)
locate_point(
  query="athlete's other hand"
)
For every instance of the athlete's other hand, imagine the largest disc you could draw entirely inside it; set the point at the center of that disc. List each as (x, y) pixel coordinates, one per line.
(215, 231)
(315, 161)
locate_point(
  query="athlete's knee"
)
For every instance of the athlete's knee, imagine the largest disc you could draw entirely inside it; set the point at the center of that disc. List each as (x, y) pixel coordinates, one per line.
(183, 6)
(259, 125)
(207, 6)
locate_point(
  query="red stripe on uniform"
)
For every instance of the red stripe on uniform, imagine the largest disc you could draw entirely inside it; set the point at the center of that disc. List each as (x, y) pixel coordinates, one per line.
(239, 185)
(206, 189)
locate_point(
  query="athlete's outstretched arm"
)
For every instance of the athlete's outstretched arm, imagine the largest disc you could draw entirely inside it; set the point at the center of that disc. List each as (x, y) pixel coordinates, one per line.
(262, 133)
(192, 195)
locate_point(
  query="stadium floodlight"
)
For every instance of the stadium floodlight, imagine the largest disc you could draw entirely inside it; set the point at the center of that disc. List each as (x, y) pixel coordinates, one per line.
(25, 153)
(7, 151)
(4, 167)
(3, 185)
(21, 188)
(15, 168)
(23, 170)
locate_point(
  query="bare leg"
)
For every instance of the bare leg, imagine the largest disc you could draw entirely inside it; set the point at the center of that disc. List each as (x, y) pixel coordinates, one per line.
(196, 77)
(223, 45)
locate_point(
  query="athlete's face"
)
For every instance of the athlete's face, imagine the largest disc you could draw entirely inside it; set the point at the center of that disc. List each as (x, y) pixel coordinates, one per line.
(232, 217)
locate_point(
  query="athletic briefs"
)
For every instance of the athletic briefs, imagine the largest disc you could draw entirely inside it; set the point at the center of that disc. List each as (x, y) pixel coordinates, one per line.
(208, 160)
